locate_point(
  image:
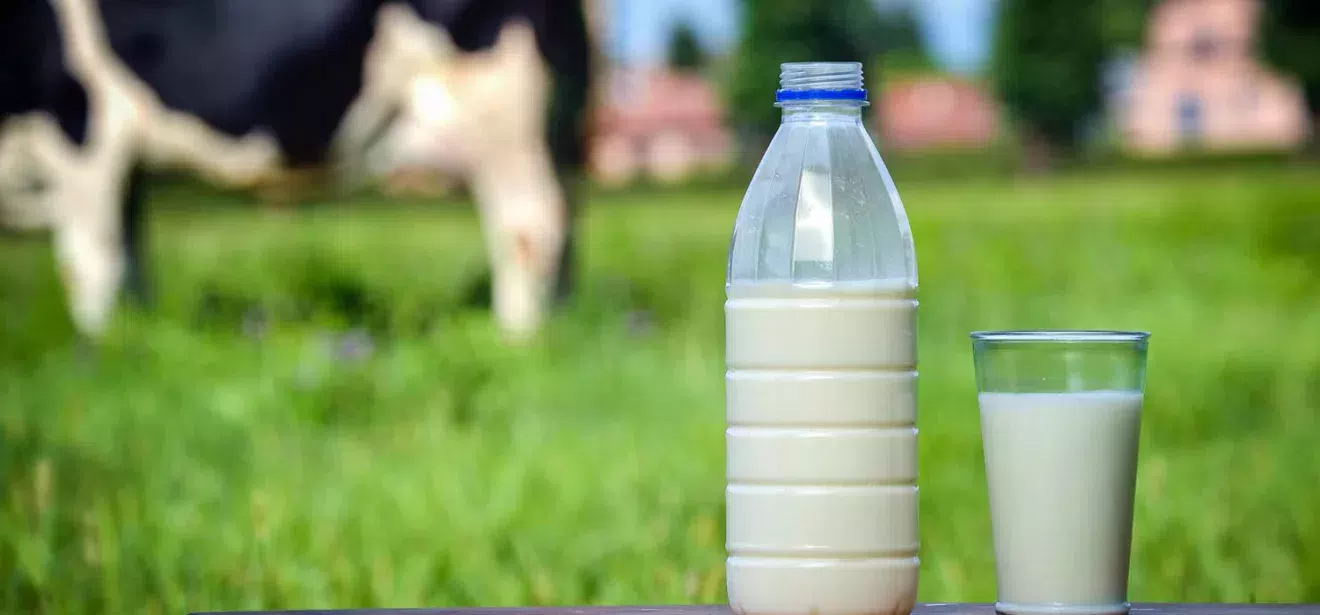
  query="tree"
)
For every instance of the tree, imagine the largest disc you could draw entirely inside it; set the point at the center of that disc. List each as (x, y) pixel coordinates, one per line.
(1123, 25)
(778, 31)
(1290, 40)
(1046, 68)
(900, 45)
(685, 49)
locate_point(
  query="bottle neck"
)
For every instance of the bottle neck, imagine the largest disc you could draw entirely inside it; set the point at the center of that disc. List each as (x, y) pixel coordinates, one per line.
(822, 111)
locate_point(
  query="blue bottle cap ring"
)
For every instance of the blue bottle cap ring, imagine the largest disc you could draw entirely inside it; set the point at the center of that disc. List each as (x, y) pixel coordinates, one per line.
(848, 94)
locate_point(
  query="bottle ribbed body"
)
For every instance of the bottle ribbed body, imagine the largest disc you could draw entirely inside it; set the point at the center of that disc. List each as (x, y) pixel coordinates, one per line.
(821, 368)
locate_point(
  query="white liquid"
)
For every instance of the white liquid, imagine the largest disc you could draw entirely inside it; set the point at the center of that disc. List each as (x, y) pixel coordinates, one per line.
(822, 448)
(1061, 470)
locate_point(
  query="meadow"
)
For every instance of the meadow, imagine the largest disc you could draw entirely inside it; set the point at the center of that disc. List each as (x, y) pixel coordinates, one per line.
(319, 412)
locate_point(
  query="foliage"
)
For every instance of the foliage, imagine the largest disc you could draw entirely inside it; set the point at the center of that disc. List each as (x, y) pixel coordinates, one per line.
(898, 34)
(778, 31)
(211, 459)
(1290, 40)
(902, 53)
(1046, 65)
(685, 52)
(902, 63)
(1123, 23)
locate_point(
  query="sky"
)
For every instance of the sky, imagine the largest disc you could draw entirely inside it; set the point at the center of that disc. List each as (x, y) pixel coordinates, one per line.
(957, 33)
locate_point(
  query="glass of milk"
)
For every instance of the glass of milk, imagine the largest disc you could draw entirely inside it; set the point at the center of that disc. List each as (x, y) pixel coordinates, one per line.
(1060, 419)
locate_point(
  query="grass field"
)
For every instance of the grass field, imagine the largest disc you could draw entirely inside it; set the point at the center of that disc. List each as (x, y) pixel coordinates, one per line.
(231, 451)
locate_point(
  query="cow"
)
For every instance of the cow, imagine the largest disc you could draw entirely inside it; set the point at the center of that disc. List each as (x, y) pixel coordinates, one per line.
(96, 95)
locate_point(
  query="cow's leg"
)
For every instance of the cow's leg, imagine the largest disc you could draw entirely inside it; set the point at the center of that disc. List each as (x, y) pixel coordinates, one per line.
(86, 201)
(21, 178)
(133, 239)
(522, 213)
(566, 280)
(564, 134)
(91, 170)
(566, 43)
(88, 243)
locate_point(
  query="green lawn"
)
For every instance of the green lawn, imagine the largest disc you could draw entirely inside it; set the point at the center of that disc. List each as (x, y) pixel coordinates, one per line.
(205, 460)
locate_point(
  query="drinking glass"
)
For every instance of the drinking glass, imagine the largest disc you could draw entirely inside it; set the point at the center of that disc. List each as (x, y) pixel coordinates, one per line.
(1060, 420)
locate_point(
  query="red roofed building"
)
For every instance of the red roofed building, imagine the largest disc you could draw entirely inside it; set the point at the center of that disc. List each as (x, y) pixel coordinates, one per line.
(657, 123)
(935, 111)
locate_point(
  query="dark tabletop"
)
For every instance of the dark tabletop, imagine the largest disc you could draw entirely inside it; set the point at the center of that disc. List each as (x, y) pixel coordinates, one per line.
(1158, 608)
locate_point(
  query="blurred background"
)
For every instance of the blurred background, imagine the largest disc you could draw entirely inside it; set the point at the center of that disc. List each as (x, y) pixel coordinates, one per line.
(319, 411)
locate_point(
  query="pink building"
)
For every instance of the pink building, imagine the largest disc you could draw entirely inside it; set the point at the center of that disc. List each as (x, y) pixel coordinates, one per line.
(1199, 84)
(657, 123)
(936, 111)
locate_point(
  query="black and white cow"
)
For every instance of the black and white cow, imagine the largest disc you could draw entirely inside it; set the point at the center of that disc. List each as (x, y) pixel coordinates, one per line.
(96, 94)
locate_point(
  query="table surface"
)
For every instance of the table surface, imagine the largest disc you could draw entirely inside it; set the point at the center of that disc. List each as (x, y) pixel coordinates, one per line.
(1140, 608)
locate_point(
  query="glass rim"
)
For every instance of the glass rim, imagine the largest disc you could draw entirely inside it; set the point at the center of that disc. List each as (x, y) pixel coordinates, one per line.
(1061, 335)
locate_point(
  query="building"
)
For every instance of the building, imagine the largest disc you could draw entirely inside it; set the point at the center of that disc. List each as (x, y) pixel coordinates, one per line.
(1198, 84)
(660, 124)
(938, 111)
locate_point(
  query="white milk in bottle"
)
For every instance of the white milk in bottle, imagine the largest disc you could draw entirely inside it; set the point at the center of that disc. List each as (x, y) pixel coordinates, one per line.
(822, 368)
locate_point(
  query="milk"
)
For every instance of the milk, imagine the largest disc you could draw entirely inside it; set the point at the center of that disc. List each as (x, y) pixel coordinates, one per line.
(822, 448)
(1061, 470)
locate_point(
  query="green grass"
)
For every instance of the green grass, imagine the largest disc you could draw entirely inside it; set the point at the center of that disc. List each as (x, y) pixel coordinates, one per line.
(189, 465)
